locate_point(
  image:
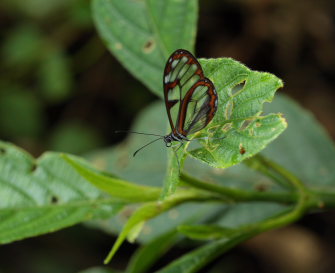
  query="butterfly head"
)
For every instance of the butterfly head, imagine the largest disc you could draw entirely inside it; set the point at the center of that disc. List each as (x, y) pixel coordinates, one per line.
(168, 140)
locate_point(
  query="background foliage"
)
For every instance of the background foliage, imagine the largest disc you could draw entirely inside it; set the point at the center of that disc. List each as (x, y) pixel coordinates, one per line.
(61, 90)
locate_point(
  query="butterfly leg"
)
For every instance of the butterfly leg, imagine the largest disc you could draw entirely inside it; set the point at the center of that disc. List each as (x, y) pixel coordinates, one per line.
(181, 144)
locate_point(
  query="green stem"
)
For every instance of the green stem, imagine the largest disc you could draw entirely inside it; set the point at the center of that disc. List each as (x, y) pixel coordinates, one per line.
(314, 199)
(305, 198)
(322, 200)
(268, 168)
(241, 195)
(174, 166)
(276, 222)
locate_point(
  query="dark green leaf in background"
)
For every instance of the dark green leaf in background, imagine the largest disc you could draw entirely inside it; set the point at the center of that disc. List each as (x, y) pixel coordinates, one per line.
(21, 114)
(196, 259)
(80, 13)
(37, 8)
(147, 254)
(23, 47)
(55, 76)
(74, 137)
(141, 34)
(205, 232)
(304, 148)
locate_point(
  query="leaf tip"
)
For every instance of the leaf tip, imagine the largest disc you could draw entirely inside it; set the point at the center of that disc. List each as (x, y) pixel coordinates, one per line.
(66, 158)
(283, 120)
(109, 256)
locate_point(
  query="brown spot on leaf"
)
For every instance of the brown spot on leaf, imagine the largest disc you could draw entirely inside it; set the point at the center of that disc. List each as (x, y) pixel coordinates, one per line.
(245, 124)
(149, 46)
(242, 149)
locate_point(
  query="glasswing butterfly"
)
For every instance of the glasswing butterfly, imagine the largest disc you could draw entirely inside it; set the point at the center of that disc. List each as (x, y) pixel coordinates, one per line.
(190, 98)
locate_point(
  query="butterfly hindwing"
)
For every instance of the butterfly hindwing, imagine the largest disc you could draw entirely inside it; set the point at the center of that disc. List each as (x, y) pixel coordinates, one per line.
(190, 98)
(198, 108)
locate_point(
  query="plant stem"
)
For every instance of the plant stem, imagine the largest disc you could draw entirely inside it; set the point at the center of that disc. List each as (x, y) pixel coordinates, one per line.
(270, 169)
(309, 198)
(241, 195)
(302, 202)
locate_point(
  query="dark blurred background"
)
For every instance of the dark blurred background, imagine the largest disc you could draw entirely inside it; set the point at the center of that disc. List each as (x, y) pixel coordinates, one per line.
(60, 89)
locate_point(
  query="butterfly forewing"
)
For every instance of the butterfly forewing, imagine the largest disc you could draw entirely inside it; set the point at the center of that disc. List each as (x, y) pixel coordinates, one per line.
(190, 98)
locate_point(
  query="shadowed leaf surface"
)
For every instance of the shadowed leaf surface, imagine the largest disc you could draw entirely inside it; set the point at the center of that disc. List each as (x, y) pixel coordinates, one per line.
(44, 195)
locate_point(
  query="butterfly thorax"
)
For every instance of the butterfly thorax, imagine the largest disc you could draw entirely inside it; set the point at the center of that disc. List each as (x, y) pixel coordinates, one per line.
(168, 139)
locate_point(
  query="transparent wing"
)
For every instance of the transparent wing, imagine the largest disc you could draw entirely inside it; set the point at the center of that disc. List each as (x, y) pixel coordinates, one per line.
(190, 98)
(198, 107)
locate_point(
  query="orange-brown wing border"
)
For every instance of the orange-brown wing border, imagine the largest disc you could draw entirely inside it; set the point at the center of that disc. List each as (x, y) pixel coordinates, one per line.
(210, 113)
(178, 54)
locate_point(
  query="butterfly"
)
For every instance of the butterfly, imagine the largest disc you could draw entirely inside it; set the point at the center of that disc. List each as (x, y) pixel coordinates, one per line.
(190, 98)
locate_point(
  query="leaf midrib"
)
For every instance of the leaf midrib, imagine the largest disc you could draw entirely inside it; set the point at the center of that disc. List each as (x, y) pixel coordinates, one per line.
(73, 204)
(155, 28)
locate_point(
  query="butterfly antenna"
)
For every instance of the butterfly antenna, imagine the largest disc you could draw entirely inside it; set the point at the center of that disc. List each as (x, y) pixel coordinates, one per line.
(147, 145)
(139, 133)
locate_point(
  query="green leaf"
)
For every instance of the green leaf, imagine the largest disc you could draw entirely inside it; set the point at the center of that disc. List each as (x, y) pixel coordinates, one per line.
(44, 195)
(305, 148)
(115, 187)
(147, 254)
(142, 34)
(205, 232)
(194, 260)
(150, 210)
(238, 131)
(238, 120)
